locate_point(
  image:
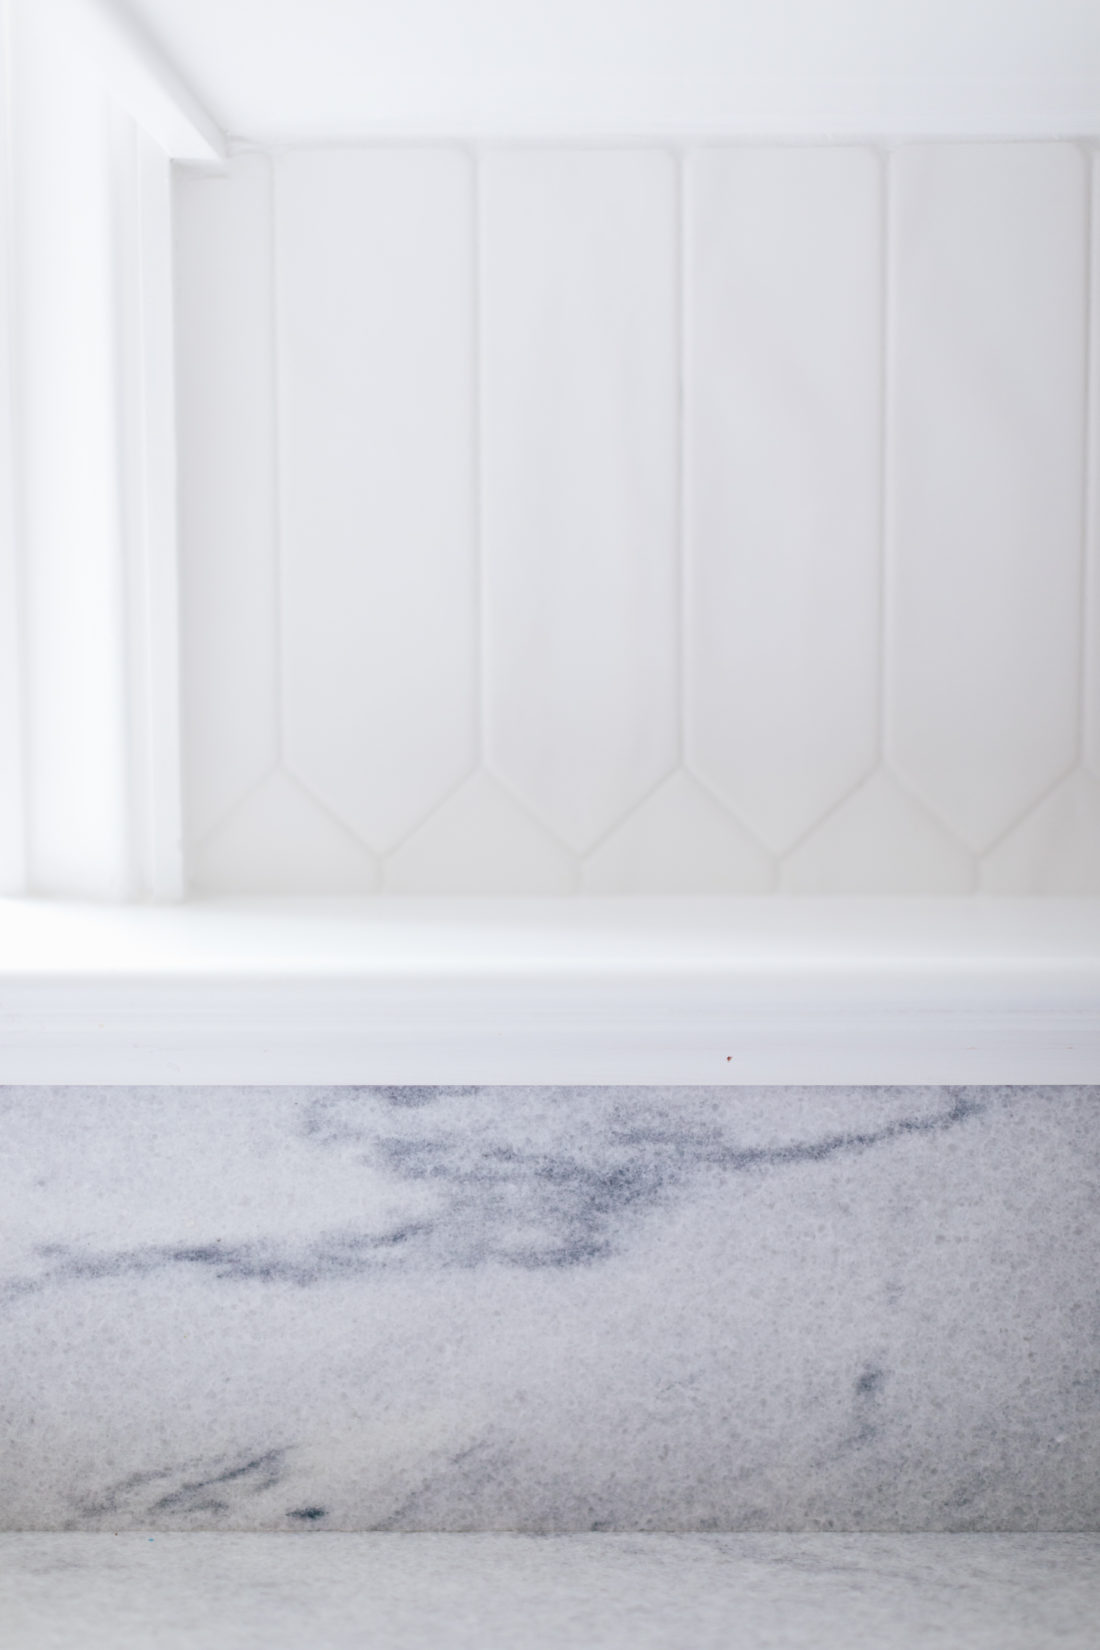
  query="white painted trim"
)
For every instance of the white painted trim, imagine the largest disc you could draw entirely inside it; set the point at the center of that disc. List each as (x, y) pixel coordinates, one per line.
(12, 799)
(145, 82)
(135, 1033)
(147, 330)
(572, 991)
(93, 669)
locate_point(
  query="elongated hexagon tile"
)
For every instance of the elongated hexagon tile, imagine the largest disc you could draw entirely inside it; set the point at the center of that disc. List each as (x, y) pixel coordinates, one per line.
(375, 284)
(986, 420)
(579, 451)
(1055, 849)
(881, 840)
(480, 841)
(679, 841)
(228, 532)
(783, 477)
(279, 840)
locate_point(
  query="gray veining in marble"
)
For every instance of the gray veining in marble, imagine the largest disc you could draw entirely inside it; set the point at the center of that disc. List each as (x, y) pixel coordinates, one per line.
(580, 1592)
(550, 1309)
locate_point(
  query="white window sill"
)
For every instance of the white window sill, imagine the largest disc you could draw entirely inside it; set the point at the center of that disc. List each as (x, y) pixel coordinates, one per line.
(547, 991)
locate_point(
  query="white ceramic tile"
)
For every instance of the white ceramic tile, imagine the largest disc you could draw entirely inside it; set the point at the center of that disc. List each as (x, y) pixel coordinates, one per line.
(783, 477)
(375, 302)
(226, 430)
(986, 406)
(580, 594)
(280, 840)
(881, 840)
(480, 841)
(1055, 849)
(580, 478)
(679, 841)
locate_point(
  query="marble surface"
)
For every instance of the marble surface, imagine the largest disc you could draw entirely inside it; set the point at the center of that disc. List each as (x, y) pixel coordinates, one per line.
(508, 1592)
(550, 1310)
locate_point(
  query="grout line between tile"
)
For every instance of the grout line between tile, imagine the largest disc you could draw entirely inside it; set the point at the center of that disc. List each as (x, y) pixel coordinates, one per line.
(278, 570)
(1088, 639)
(781, 855)
(679, 160)
(326, 807)
(477, 374)
(733, 814)
(575, 855)
(624, 818)
(885, 449)
(476, 554)
(883, 156)
(656, 137)
(434, 808)
(199, 840)
(1025, 813)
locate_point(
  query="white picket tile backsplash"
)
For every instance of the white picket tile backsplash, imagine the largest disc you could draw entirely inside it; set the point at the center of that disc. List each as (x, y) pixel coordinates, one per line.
(1055, 849)
(986, 454)
(680, 840)
(228, 576)
(640, 520)
(282, 838)
(480, 841)
(579, 479)
(783, 304)
(374, 276)
(880, 840)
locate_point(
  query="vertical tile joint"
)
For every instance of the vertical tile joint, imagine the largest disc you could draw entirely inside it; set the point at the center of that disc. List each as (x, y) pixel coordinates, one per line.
(885, 522)
(679, 157)
(278, 537)
(480, 696)
(1088, 639)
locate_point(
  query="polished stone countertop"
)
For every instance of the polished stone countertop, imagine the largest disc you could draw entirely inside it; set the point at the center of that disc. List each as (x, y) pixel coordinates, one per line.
(549, 1310)
(587, 1592)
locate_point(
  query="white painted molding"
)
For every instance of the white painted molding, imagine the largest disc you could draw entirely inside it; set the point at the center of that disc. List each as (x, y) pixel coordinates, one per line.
(12, 818)
(546, 991)
(140, 76)
(147, 330)
(93, 690)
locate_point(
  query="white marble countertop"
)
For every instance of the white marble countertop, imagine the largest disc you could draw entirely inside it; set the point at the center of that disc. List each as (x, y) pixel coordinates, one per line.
(587, 1592)
(552, 991)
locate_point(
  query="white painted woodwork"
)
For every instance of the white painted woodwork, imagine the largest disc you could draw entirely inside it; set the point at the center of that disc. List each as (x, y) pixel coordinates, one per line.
(137, 74)
(708, 991)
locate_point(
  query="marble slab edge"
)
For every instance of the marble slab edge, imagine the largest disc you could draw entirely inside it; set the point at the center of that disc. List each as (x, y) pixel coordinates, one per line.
(585, 1030)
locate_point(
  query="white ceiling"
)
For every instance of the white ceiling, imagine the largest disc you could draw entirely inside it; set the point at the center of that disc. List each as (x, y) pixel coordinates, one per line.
(285, 69)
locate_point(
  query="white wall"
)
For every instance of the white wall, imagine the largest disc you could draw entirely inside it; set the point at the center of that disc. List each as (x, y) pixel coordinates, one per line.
(298, 70)
(639, 520)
